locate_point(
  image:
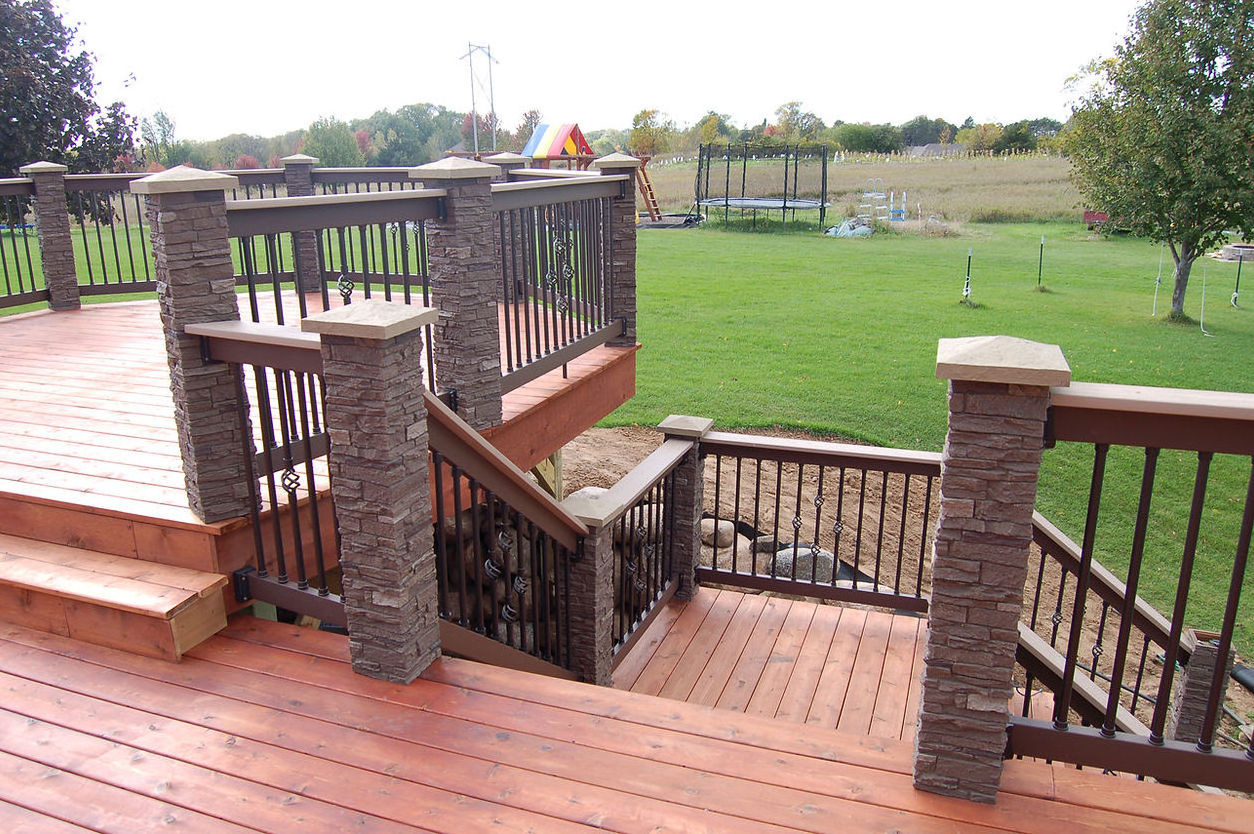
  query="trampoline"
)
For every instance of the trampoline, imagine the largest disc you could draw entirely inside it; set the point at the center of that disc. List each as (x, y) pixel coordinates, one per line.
(719, 189)
(776, 203)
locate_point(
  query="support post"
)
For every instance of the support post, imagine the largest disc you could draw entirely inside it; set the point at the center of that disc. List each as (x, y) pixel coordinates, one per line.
(687, 501)
(298, 175)
(186, 211)
(590, 602)
(52, 224)
(1191, 695)
(380, 482)
(998, 396)
(623, 244)
(465, 279)
(508, 163)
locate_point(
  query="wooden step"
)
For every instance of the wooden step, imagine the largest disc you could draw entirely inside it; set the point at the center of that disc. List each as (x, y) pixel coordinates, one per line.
(142, 607)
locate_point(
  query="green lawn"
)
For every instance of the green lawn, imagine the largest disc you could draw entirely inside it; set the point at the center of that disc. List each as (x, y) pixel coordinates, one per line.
(839, 336)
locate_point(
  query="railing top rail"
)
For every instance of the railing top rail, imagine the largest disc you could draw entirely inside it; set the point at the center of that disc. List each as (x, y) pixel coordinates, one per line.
(17, 187)
(258, 176)
(516, 195)
(292, 214)
(522, 174)
(605, 508)
(343, 176)
(1165, 418)
(100, 182)
(905, 461)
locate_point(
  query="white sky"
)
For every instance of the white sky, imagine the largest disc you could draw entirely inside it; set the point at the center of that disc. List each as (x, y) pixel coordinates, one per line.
(269, 66)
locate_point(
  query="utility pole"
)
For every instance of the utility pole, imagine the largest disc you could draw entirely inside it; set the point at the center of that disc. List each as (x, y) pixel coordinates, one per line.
(474, 81)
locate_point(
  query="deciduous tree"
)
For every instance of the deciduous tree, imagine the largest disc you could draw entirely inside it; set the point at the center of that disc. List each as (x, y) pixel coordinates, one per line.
(1162, 139)
(333, 143)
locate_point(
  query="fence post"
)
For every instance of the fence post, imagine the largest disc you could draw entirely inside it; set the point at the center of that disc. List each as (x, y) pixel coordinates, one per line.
(464, 276)
(1192, 695)
(186, 211)
(623, 244)
(380, 482)
(687, 501)
(52, 224)
(508, 163)
(998, 396)
(298, 175)
(590, 599)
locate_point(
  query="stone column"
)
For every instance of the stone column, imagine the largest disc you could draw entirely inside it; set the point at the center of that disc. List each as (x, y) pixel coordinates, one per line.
(623, 242)
(380, 481)
(1192, 690)
(687, 500)
(998, 395)
(52, 222)
(298, 174)
(508, 163)
(590, 601)
(186, 211)
(465, 279)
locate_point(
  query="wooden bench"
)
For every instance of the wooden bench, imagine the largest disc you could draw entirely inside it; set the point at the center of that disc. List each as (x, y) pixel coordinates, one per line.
(141, 607)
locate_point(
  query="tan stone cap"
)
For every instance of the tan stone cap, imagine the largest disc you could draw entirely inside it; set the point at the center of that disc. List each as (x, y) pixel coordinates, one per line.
(370, 319)
(679, 425)
(300, 159)
(42, 168)
(180, 179)
(1002, 359)
(616, 160)
(454, 168)
(507, 158)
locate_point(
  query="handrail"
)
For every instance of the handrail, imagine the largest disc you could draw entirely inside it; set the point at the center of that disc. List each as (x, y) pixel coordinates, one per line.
(507, 196)
(606, 507)
(349, 176)
(534, 174)
(904, 461)
(293, 214)
(17, 187)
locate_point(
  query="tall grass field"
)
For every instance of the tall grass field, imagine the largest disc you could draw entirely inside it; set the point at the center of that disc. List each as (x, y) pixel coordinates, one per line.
(839, 336)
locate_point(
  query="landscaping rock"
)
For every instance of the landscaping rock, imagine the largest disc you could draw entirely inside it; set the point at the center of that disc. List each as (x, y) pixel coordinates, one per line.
(766, 544)
(806, 559)
(721, 535)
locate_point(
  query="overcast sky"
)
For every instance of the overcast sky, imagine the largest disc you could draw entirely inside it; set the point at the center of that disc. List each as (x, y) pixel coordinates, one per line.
(269, 66)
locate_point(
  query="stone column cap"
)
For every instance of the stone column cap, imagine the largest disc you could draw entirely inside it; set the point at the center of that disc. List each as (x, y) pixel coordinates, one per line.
(370, 319)
(507, 158)
(181, 179)
(454, 168)
(300, 159)
(615, 161)
(1003, 359)
(679, 425)
(42, 168)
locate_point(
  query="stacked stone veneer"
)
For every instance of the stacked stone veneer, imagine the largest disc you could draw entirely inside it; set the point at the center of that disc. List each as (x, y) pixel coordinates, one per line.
(186, 212)
(298, 176)
(1191, 695)
(998, 396)
(590, 601)
(465, 281)
(53, 224)
(687, 500)
(623, 244)
(375, 414)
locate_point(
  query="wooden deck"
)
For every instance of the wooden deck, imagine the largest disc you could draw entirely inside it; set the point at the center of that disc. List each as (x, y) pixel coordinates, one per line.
(265, 728)
(849, 669)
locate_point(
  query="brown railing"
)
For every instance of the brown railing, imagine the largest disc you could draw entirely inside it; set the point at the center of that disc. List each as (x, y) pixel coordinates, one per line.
(825, 520)
(1095, 661)
(21, 275)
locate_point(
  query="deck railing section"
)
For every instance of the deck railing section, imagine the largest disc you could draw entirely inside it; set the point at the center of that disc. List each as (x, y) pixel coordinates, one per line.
(555, 255)
(1111, 644)
(21, 276)
(825, 520)
(116, 254)
(362, 180)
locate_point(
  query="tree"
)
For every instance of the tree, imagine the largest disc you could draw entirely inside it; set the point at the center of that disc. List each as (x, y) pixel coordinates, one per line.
(1162, 139)
(47, 106)
(1015, 137)
(980, 137)
(794, 125)
(709, 129)
(530, 121)
(333, 143)
(924, 131)
(650, 133)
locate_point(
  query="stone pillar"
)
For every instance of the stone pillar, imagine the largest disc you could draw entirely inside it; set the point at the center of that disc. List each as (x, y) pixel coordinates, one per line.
(380, 481)
(687, 500)
(465, 279)
(1191, 694)
(623, 241)
(998, 395)
(52, 221)
(590, 601)
(508, 163)
(186, 211)
(298, 174)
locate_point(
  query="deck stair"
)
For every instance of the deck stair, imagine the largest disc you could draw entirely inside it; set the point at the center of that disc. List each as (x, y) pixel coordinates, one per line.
(147, 608)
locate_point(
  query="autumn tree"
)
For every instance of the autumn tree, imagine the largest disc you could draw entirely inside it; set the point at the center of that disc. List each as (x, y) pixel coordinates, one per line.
(1162, 138)
(651, 134)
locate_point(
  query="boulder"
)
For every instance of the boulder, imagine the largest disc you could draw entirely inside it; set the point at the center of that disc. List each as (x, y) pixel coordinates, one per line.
(805, 563)
(720, 535)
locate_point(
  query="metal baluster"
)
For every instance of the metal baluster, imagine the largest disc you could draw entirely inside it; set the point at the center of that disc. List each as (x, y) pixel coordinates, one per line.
(315, 519)
(879, 535)
(901, 533)
(441, 536)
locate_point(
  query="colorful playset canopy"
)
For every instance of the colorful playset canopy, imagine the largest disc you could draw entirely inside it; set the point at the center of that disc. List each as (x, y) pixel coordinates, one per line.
(556, 142)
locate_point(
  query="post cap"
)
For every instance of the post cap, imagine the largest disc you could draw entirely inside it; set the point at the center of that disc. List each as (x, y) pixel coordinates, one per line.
(371, 318)
(300, 159)
(679, 425)
(181, 179)
(1003, 359)
(454, 168)
(42, 168)
(614, 161)
(507, 158)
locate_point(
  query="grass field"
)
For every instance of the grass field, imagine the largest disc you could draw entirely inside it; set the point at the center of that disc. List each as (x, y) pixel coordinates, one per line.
(839, 336)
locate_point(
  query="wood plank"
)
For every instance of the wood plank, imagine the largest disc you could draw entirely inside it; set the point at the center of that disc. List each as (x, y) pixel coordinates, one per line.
(806, 672)
(14, 819)
(915, 693)
(714, 678)
(774, 681)
(868, 671)
(833, 687)
(628, 668)
(97, 587)
(703, 645)
(666, 658)
(198, 582)
(749, 667)
(65, 525)
(889, 716)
